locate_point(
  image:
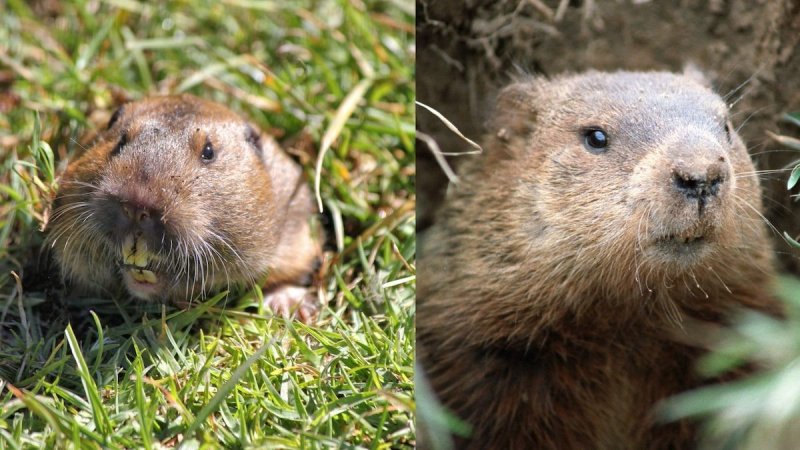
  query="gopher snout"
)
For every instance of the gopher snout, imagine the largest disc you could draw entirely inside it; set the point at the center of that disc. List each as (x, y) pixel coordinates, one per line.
(121, 217)
(143, 219)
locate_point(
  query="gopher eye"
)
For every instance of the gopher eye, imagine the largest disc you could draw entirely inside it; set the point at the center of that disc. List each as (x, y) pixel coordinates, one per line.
(123, 140)
(115, 117)
(595, 140)
(207, 154)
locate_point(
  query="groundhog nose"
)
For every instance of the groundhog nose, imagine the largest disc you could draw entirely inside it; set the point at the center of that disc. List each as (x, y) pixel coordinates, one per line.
(699, 179)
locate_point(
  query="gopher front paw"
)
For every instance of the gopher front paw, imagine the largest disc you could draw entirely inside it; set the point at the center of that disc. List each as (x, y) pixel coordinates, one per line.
(293, 301)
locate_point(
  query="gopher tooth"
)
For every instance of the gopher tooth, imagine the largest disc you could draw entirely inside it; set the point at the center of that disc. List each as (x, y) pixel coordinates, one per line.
(149, 276)
(128, 249)
(134, 252)
(142, 257)
(144, 276)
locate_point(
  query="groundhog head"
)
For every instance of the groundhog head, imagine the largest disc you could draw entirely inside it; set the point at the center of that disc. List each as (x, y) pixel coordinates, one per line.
(628, 174)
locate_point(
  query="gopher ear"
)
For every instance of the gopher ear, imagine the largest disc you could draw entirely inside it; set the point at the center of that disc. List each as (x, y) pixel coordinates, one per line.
(515, 109)
(691, 70)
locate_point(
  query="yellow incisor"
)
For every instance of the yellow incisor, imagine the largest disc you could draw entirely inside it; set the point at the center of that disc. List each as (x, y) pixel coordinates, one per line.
(136, 254)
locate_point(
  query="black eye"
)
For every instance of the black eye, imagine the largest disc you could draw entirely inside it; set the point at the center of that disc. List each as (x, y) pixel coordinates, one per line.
(121, 143)
(595, 139)
(207, 154)
(728, 132)
(115, 117)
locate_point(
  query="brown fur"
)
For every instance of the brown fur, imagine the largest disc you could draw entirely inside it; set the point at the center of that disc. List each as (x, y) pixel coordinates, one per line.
(235, 219)
(553, 287)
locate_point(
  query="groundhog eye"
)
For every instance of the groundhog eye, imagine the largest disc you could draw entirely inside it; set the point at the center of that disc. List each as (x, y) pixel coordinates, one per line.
(207, 155)
(728, 130)
(595, 139)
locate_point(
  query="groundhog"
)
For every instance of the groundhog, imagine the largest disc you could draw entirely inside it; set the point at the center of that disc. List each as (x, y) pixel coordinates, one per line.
(180, 197)
(606, 212)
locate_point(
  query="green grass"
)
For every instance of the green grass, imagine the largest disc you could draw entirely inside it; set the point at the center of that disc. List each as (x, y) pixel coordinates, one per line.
(761, 410)
(112, 373)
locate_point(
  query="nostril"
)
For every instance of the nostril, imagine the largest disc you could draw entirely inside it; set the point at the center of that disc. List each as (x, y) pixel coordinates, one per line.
(137, 214)
(697, 186)
(123, 217)
(688, 185)
(714, 184)
(128, 210)
(685, 183)
(149, 221)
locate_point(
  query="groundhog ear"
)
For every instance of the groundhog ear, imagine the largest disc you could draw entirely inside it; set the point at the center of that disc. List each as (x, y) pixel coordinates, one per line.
(514, 111)
(253, 138)
(691, 70)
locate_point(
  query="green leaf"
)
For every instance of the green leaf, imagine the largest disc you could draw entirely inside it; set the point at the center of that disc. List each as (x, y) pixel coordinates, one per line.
(790, 240)
(793, 177)
(792, 118)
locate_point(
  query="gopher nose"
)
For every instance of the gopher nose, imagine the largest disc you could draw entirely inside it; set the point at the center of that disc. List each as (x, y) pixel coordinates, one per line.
(145, 219)
(137, 214)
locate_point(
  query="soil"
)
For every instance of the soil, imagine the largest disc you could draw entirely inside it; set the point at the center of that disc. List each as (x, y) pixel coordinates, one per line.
(468, 49)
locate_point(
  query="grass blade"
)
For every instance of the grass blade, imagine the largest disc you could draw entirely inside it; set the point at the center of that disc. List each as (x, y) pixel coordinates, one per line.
(99, 413)
(343, 113)
(226, 388)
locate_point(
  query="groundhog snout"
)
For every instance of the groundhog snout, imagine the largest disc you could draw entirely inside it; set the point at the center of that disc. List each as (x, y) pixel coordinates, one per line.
(699, 174)
(699, 180)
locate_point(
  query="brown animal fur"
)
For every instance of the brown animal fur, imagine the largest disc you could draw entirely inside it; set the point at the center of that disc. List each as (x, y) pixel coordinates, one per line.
(554, 285)
(207, 224)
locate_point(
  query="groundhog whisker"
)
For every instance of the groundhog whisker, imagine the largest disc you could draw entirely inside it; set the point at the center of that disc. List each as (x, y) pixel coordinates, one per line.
(749, 116)
(766, 221)
(740, 86)
(763, 172)
(697, 283)
(774, 150)
(735, 102)
(637, 255)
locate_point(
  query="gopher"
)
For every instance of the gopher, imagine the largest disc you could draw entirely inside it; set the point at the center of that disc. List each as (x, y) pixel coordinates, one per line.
(607, 211)
(181, 197)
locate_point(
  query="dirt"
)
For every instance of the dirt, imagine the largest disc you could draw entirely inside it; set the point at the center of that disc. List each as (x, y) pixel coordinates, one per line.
(468, 49)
